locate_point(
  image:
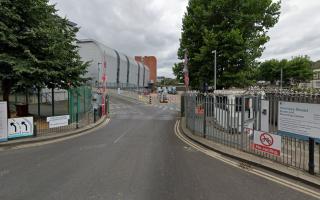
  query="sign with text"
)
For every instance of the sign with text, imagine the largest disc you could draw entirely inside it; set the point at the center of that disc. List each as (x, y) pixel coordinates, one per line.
(3, 122)
(20, 127)
(58, 121)
(267, 142)
(299, 118)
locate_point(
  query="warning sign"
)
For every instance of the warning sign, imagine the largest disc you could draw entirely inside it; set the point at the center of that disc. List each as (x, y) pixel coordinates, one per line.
(267, 142)
(199, 110)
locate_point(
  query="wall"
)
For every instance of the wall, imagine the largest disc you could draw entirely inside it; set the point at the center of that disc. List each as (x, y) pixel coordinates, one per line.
(151, 62)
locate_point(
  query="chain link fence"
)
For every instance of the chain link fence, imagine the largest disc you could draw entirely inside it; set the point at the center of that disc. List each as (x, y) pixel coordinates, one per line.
(231, 118)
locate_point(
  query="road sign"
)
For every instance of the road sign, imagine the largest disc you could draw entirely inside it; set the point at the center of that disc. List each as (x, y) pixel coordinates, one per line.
(3, 122)
(20, 127)
(58, 121)
(299, 118)
(267, 142)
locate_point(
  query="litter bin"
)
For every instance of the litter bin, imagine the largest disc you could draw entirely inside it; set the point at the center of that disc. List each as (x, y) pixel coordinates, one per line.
(22, 110)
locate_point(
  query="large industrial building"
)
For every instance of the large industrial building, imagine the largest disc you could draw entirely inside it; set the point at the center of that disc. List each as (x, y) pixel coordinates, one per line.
(110, 67)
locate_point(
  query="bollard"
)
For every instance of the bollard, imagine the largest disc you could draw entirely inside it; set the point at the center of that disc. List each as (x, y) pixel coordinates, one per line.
(311, 156)
(94, 115)
(35, 130)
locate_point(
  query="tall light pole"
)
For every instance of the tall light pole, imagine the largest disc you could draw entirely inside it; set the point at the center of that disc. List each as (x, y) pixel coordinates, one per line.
(99, 73)
(215, 69)
(281, 79)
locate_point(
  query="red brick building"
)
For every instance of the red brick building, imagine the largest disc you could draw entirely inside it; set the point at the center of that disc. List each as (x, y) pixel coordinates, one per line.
(151, 62)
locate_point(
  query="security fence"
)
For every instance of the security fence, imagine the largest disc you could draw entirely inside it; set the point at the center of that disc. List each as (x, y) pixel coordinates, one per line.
(75, 104)
(232, 119)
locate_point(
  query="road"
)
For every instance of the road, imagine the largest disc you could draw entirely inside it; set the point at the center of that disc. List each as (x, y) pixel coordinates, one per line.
(136, 156)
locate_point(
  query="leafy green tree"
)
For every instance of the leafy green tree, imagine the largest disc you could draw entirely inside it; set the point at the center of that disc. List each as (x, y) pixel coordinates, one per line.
(37, 47)
(236, 29)
(178, 71)
(169, 82)
(296, 70)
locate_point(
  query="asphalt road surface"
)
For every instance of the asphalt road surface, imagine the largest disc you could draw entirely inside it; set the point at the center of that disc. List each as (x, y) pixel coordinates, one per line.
(136, 156)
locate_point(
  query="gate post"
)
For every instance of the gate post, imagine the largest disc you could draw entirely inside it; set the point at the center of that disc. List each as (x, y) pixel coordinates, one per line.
(243, 110)
(205, 116)
(311, 156)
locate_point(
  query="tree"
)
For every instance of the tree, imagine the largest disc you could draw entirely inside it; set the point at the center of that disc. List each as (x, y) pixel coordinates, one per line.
(178, 71)
(168, 82)
(37, 47)
(296, 70)
(236, 29)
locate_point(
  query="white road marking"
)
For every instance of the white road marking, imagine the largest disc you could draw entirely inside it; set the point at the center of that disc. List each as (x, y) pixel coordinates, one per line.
(121, 136)
(257, 172)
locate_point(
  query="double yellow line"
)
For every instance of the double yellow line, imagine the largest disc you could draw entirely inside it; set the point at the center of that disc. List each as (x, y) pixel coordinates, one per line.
(257, 172)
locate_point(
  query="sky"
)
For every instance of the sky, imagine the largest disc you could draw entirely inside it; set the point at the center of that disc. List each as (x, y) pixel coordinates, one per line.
(153, 27)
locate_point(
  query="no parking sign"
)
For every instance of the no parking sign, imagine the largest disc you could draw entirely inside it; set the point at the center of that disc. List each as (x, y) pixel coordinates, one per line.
(267, 142)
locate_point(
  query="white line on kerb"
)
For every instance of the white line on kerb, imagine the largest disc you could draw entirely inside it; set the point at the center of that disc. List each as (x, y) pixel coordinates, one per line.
(257, 172)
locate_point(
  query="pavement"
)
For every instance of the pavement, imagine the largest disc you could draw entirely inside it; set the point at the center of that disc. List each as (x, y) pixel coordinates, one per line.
(137, 156)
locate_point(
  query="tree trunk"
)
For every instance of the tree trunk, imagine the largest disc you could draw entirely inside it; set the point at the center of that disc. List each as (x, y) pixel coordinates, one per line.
(6, 89)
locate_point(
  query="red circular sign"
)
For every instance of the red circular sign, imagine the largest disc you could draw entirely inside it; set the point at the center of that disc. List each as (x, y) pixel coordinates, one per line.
(266, 139)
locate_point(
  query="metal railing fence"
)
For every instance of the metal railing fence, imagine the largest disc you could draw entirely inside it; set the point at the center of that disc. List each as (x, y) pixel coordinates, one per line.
(231, 119)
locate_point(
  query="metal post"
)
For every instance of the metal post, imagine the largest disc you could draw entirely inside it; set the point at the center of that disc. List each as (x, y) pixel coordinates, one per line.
(281, 79)
(78, 108)
(215, 69)
(99, 74)
(205, 117)
(52, 99)
(94, 115)
(35, 131)
(39, 101)
(311, 156)
(242, 119)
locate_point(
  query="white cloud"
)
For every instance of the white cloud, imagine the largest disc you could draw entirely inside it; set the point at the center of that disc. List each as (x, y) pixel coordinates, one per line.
(153, 27)
(297, 32)
(134, 27)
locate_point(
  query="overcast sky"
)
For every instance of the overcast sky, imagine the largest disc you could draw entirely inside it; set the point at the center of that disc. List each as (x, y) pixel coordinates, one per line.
(153, 27)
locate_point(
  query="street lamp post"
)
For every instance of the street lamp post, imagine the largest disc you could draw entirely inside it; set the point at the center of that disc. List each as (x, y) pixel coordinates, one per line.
(281, 79)
(215, 69)
(99, 73)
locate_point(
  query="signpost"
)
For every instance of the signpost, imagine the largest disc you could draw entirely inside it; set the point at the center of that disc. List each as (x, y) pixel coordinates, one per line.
(267, 142)
(20, 127)
(300, 119)
(3, 122)
(58, 121)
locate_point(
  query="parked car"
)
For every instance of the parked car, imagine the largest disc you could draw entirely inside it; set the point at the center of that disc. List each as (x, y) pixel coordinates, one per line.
(174, 90)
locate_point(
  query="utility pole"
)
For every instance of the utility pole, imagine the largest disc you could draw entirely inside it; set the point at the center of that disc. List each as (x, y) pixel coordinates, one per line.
(215, 69)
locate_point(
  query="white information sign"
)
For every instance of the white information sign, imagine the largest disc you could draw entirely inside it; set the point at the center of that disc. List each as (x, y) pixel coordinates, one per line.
(20, 127)
(267, 142)
(3, 122)
(299, 118)
(58, 121)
